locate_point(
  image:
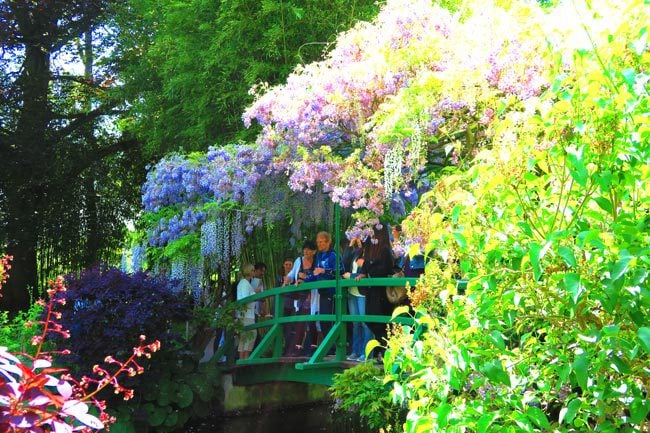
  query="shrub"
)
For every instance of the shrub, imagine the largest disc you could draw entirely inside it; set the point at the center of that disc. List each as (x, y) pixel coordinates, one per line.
(107, 307)
(551, 228)
(16, 333)
(36, 397)
(361, 390)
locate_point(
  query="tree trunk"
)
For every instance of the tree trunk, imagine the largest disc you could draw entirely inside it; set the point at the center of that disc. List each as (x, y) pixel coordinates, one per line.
(90, 208)
(24, 177)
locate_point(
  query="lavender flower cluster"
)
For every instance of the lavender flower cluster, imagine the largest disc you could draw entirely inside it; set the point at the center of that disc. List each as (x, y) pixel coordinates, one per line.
(187, 183)
(175, 179)
(171, 229)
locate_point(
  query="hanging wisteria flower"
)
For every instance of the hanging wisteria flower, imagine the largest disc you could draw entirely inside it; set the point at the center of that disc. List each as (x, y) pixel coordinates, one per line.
(208, 239)
(138, 257)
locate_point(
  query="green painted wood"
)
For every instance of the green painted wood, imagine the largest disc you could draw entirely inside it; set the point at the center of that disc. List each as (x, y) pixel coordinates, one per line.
(276, 372)
(266, 362)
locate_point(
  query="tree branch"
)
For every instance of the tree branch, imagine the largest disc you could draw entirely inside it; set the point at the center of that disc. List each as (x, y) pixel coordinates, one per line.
(81, 119)
(90, 157)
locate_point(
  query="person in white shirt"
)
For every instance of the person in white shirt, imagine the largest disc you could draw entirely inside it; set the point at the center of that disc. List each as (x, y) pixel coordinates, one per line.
(247, 317)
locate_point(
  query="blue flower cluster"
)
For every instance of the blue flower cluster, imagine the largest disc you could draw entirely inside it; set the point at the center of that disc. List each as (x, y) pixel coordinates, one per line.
(221, 175)
(175, 179)
(138, 257)
(168, 230)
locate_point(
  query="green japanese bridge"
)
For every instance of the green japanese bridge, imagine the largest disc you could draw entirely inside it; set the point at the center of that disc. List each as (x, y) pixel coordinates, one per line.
(266, 363)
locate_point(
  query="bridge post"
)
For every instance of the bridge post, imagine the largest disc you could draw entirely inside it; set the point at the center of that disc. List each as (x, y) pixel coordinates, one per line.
(339, 296)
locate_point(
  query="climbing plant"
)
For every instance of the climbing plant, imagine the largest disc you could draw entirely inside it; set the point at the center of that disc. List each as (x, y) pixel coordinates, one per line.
(550, 225)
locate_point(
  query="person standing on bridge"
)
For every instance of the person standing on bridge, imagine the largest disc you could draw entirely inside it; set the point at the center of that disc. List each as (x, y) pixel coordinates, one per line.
(361, 333)
(325, 269)
(303, 267)
(378, 263)
(247, 317)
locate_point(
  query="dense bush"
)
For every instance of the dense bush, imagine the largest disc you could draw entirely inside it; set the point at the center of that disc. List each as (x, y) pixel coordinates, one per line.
(15, 332)
(360, 392)
(105, 309)
(36, 397)
(550, 225)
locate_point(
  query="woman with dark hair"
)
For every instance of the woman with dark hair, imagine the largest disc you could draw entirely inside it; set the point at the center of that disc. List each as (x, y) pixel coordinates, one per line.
(303, 267)
(378, 263)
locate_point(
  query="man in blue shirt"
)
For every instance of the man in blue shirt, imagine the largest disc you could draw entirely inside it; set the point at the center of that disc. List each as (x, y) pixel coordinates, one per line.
(325, 269)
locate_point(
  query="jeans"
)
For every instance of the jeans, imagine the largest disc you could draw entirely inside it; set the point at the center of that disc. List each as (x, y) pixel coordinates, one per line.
(361, 334)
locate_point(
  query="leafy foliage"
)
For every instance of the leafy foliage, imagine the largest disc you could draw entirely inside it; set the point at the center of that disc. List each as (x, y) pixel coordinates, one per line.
(36, 397)
(361, 390)
(54, 116)
(188, 66)
(17, 332)
(550, 226)
(118, 307)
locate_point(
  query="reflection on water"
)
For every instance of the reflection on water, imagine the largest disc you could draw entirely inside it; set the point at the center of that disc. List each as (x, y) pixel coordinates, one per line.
(300, 419)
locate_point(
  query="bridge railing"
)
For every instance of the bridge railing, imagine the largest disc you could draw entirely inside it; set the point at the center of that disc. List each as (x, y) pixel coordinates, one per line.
(271, 346)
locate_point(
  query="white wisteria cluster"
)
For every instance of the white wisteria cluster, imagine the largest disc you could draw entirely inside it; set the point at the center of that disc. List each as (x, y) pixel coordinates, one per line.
(393, 169)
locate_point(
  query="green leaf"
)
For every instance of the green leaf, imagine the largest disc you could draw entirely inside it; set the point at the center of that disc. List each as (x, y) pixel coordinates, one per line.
(604, 204)
(581, 369)
(533, 253)
(184, 395)
(525, 227)
(567, 255)
(523, 423)
(577, 167)
(568, 413)
(620, 268)
(573, 286)
(372, 344)
(171, 420)
(494, 372)
(496, 338)
(485, 421)
(638, 411)
(402, 309)
(423, 425)
(443, 414)
(644, 338)
(537, 416)
(460, 240)
(455, 214)
(604, 179)
(618, 365)
(155, 415)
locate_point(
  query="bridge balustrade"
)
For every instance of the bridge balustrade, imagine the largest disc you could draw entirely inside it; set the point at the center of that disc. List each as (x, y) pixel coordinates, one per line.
(271, 346)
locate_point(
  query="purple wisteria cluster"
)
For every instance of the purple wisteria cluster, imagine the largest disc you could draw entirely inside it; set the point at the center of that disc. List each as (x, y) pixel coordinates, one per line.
(231, 174)
(516, 69)
(175, 179)
(183, 186)
(330, 103)
(175, 227)
(360, 124)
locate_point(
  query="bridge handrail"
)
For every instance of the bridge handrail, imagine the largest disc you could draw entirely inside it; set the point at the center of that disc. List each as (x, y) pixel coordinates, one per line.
(272, 341)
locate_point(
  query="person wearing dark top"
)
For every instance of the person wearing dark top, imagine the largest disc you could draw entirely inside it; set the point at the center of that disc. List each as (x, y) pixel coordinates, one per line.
(325, 269)
(294, 333)
(378, 263)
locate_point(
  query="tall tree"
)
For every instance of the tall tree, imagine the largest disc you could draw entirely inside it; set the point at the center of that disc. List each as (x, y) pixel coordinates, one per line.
(190, 66)
(49, 148)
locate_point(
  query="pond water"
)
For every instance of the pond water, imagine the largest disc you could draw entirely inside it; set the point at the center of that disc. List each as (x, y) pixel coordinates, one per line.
(300, 419)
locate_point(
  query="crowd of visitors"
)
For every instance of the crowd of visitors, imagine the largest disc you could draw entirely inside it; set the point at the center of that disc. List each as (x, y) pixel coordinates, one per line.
(374, 257)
